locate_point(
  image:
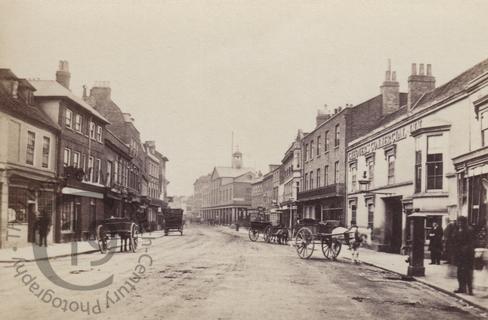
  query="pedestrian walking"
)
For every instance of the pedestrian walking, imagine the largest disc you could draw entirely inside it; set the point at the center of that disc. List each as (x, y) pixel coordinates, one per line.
(435, 244)
(44, 223)
(356, 241)
(464, 244)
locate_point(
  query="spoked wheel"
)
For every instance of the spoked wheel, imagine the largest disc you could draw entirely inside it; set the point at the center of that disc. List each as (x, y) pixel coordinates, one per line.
(253, 234)
(101, 239)
(134, 237)
(331, 248)
(304, 243)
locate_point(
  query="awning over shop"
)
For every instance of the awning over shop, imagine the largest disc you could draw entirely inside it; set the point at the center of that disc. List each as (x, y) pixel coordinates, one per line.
(428, 214)
(81, 193)
(477, 171)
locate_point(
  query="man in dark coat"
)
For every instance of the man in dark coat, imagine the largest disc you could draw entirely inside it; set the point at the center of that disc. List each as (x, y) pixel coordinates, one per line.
(43, 225)
(464, 244)
(435, 245)
(449, 233)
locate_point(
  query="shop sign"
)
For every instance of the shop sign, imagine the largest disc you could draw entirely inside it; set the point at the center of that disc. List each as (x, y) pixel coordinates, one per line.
(385, 140)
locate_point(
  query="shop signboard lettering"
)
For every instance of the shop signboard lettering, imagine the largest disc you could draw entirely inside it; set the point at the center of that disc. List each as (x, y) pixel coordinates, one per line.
(384, 141)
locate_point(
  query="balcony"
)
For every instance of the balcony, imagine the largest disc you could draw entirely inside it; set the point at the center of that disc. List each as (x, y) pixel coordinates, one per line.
(333, 190)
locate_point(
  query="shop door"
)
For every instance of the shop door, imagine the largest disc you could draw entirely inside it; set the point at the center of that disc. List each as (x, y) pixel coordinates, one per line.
(31, 222)
(394, 217)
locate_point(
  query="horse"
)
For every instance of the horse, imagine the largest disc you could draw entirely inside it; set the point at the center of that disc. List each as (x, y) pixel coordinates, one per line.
(353, 237)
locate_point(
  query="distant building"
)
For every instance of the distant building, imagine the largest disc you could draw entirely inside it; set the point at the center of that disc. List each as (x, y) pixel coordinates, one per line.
(228, 197)
(200, 188)
(28, 181)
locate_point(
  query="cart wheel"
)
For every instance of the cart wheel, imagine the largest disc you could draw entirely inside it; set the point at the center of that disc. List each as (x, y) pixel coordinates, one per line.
(304, 242)
(101, 240)
(134, 237)
(267, 234)
(253, 234)
(331, 248)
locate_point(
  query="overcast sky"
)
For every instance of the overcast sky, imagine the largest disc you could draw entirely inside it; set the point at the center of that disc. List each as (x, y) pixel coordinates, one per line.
(191, 72)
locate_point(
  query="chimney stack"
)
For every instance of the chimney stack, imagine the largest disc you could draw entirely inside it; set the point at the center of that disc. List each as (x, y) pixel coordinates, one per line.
(390, 91)
(419, 83)
(322, 116)
(101, 91)
(62, 75)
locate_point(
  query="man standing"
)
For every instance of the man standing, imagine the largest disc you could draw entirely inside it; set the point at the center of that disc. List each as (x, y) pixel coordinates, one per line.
(464, 241)
(435, 245)
(43, 224)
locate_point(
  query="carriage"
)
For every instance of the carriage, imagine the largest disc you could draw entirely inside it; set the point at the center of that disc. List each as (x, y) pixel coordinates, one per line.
(272, 231)
(329, 235)
(123, 228)
(173, 221)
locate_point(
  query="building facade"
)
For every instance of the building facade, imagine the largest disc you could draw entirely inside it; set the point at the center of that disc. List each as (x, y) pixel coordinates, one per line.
(418, 159)
(28, 181)
(228, 197)
(322, 194)
(81, 163)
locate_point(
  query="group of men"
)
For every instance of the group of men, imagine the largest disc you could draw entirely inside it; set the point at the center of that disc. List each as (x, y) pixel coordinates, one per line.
(459, 242)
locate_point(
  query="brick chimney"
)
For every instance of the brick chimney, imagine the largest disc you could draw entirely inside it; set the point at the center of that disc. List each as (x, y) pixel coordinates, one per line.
(62, 75)
(322, 116)
(419, 83)
(390, 91)
(101, 92)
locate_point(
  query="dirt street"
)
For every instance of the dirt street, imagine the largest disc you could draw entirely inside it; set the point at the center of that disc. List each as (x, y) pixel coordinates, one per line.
(217, 273)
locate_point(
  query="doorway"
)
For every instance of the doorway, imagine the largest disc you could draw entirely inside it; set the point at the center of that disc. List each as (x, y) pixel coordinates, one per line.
(393, 219)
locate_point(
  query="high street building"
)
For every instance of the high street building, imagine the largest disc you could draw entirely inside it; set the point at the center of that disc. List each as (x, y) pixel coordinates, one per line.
(82, 159)
(427, 158)
(200, 189)
(28, 181)
(290, 175)
(122, 125)
(322, 193)
(228, 197)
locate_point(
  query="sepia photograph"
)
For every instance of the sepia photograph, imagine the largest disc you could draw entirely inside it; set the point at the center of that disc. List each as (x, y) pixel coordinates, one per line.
(243, 159)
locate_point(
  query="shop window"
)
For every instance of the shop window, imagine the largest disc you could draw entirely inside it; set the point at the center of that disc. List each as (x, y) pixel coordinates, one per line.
(31, 145)
(17, 204)
(46, 146)
(434, 164)
(67, 216)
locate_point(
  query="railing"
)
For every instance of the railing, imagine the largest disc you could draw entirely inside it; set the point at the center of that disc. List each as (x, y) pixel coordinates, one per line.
(327, 191)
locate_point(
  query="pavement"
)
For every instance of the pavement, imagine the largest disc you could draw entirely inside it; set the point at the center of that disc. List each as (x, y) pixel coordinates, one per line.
(441, 277)
(58, 250)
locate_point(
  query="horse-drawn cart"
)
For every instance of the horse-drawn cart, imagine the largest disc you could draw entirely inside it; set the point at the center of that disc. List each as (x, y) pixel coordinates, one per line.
(173, 221)
(123, 228)
(256, 228)
(329, 235)
(270, 232)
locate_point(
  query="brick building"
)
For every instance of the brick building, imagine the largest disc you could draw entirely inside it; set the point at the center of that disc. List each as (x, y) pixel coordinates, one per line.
(28, 181)
(200, 189)
(122, 125)
(322, 192)
(82, 160)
